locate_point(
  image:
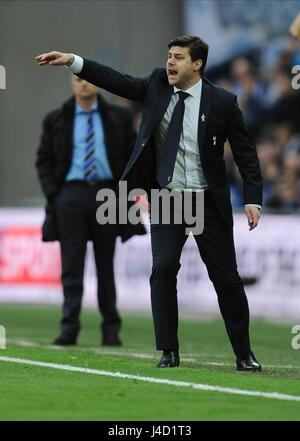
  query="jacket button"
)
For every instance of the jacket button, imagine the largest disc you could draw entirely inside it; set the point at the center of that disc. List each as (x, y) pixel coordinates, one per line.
(143, 145)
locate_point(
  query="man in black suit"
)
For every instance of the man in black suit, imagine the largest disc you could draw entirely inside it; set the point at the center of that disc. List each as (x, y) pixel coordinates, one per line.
(84, 148)
(185, 123)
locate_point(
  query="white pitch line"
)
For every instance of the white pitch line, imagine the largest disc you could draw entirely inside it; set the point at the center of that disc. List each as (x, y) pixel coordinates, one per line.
(198, 386)
(127, 354)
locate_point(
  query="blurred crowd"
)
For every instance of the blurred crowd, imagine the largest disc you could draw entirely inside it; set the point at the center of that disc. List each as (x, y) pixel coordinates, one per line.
(271, 108)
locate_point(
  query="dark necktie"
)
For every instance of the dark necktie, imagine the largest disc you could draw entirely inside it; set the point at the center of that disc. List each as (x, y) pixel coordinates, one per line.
(167, 164)
(90, 172)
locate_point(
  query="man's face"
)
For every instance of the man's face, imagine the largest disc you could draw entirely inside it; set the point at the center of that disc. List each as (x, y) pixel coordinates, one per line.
(82, 89)
(180, 67)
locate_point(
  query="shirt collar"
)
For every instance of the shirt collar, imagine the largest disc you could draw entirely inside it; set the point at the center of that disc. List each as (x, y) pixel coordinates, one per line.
(80, 110)
(194, 91)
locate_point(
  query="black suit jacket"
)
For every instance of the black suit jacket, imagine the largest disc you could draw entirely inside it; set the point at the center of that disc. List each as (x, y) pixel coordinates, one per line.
(54, 155)
(222, 119)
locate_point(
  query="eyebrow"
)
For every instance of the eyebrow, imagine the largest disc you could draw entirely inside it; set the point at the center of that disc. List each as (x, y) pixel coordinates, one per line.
(175, 53)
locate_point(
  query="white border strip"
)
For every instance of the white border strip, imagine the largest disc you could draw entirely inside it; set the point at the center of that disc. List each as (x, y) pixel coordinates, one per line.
(206, 387)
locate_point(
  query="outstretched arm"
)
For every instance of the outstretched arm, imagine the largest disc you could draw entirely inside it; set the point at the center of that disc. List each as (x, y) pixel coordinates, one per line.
(102, 76)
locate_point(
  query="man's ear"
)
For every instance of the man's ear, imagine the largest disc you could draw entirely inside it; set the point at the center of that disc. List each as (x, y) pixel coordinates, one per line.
(198, 64)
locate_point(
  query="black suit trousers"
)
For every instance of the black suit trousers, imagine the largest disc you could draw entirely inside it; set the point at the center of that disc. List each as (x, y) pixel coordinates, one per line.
(216, 248)
(75, 209)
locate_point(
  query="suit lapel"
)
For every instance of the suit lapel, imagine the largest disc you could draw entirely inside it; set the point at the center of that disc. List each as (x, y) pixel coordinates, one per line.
(153, 115)
(164, 101)
(67, 133)
(205, 106)
(105, 118)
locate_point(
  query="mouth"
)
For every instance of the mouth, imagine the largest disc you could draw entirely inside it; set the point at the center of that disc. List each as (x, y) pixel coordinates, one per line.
(172, 72)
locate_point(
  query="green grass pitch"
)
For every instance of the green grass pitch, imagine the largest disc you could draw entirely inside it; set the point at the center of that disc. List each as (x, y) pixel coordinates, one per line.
(30, 392)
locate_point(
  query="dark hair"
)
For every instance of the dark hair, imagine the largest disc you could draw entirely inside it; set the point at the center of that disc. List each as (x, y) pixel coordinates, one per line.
(198, 49)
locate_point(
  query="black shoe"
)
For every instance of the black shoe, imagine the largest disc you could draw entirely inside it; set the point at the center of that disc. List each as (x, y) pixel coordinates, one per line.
(64, 340)
(169, 359)
(111, 340)
(249, 364)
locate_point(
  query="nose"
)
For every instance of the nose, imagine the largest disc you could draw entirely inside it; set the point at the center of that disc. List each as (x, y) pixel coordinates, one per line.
(171, 62)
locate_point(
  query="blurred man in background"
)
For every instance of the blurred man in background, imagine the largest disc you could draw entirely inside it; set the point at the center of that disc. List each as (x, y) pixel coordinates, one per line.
(84, 147)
